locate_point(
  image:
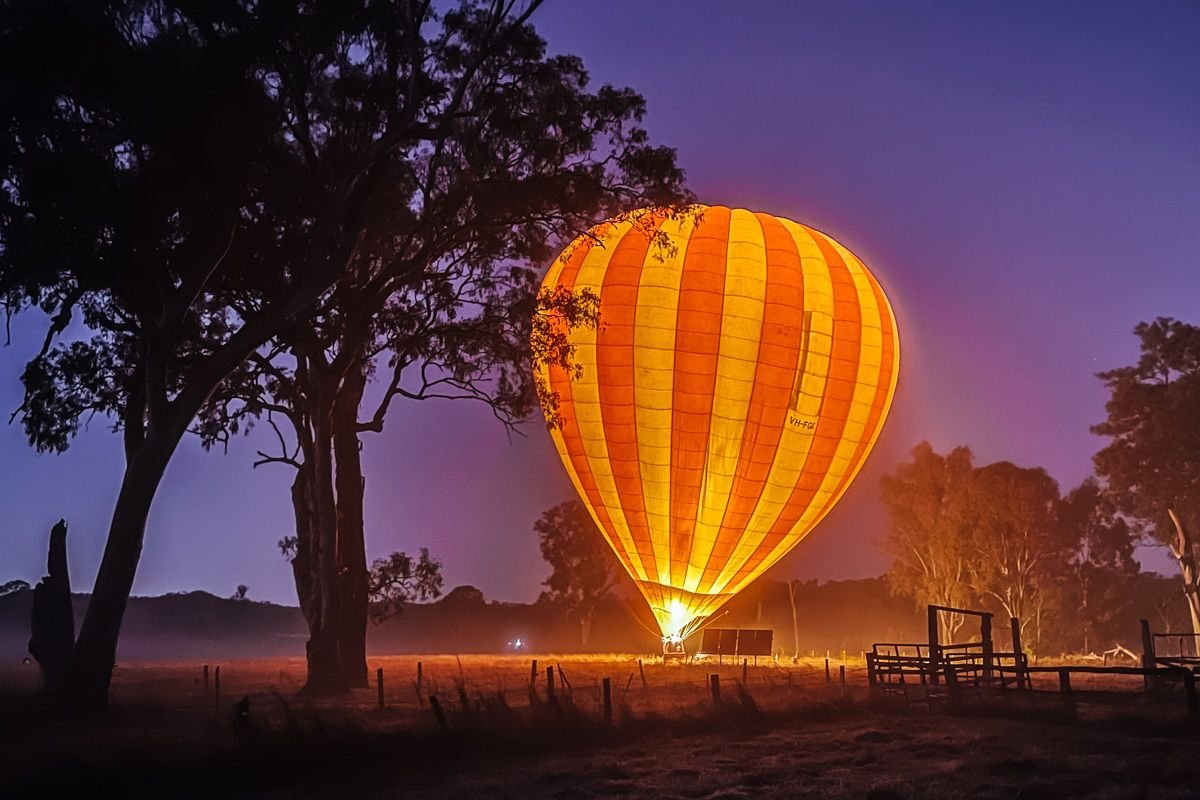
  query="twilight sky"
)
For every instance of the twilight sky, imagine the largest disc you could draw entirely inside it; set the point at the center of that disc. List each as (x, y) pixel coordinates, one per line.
(1024, 179)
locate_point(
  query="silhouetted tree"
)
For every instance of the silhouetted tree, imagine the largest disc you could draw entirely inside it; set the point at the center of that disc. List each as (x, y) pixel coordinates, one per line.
(240, 593)
(1096, 579)
(191, 179)
(1151, 466)
(400, 579)
(584, 569)
(12, 587)
(928, 531)
(442, 301)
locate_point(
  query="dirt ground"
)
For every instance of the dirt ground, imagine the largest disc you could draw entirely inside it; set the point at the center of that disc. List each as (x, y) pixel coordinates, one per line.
(785, 732)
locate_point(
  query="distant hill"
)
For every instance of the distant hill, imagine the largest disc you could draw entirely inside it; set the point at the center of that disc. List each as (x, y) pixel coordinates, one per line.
(835, 616)
(185, 625)
(196, 625)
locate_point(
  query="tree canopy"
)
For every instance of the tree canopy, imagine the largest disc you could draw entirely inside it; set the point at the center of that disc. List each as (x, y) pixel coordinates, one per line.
(1002, 537)
(1152, 461)
(584, 569)
(1151, 465)
(197, 182)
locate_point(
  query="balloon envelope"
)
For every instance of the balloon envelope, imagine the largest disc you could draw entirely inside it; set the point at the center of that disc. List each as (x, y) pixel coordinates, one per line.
(736, 383)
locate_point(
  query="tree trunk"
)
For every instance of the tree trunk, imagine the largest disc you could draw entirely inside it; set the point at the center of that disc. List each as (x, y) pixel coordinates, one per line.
(351, 546)
(793, 585)
(302, 567)
(85, 685)
(585, 628)
(1184, 551)
(324, 663)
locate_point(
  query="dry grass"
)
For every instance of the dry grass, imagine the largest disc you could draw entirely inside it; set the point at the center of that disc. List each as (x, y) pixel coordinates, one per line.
(786, 732)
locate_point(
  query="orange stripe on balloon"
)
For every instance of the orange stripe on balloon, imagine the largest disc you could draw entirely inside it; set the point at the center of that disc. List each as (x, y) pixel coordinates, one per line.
(882, 390)
(560, 382)
(697, 343)
(774, 377)
(835, 406)
(614, 371)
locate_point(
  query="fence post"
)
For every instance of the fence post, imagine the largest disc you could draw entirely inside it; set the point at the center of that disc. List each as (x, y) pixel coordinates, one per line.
(217, 688)
(642, 670)
(1064, 687)
(1149, 658)
(550, 684)
(206, 680)
(842, 676)
(714, 684)
(985, 636)
(607, 684)
(745, 672)
(533, 673)
(420, 676)
(828, 679)
(379, 685)
(1189, 687)
(870, 659)
(935, 650)
(1018, 652)
(952, 693)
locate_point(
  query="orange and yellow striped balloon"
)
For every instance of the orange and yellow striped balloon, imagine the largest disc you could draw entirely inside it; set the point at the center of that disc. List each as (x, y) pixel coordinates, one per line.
(736, 384)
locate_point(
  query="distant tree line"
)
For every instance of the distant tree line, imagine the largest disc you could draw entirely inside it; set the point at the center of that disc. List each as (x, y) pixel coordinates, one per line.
(1006, 538)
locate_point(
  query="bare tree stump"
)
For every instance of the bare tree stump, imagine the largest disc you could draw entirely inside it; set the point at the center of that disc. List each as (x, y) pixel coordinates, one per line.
(52, 622)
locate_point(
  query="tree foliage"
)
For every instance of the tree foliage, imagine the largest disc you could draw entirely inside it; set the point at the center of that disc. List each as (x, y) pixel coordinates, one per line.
(1152, 461)
(1001, 537)
(1151, 465)
(584, 569)
(193, 180)
(927, 532)
(400, 579)
(1014, 541)
(12, 587)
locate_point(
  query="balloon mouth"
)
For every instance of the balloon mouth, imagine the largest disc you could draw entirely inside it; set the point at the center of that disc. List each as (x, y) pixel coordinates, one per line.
(680, 613)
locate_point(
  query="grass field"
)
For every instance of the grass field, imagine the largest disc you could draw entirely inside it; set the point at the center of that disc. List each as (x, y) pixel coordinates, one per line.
(786, 732)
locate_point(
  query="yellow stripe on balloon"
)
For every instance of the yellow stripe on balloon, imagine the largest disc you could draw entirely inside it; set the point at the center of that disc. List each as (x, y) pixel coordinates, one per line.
(585, 395)
(796, 441)
(741, 324)
(654, 381)
(870, 350)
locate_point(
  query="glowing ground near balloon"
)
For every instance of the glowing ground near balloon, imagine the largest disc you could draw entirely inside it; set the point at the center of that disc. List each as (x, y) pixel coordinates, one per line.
(738, 379)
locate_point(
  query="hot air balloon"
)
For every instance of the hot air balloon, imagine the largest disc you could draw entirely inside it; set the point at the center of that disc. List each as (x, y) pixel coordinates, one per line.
(740, 374)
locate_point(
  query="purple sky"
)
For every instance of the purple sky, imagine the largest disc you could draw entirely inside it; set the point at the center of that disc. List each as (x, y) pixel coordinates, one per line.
(1024, 178)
